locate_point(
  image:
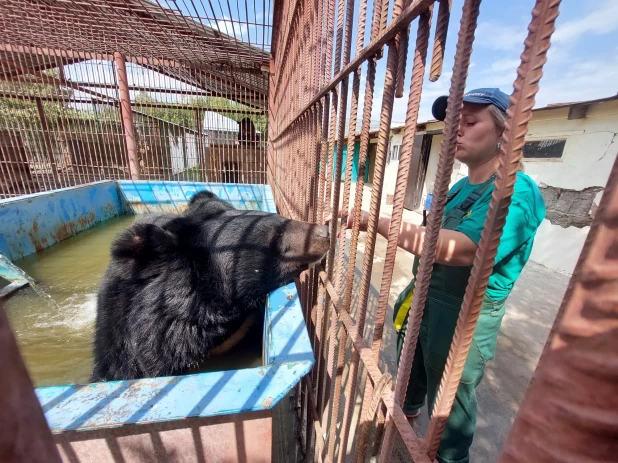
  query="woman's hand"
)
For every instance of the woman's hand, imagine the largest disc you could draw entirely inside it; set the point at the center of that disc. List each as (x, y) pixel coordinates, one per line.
(364, 219)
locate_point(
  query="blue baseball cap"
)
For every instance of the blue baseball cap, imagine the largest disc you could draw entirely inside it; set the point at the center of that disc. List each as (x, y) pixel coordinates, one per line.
(492, 96)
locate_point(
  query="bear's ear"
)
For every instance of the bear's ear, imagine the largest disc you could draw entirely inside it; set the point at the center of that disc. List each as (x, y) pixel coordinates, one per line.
(203, 195)
(143, 241)
(202, 198)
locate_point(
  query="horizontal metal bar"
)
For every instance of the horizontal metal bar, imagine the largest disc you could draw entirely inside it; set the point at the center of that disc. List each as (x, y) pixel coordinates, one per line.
(59, 53)
(140, 88)
(407, 16)
(415, 445)
(114, 102)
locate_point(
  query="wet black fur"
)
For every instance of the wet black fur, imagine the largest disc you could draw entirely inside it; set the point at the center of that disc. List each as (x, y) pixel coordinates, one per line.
(178, 285)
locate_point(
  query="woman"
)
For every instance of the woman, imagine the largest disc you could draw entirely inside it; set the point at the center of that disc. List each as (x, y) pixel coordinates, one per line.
(482, 122)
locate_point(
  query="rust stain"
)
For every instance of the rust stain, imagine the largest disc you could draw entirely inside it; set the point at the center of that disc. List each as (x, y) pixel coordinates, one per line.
(32, 234)
(64, 231)
(85, 221)
(109, 209)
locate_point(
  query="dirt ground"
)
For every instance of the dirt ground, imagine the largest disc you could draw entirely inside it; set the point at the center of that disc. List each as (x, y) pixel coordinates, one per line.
(531, 309)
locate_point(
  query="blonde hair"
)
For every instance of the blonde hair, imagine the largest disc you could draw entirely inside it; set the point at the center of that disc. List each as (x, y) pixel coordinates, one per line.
(500, 118)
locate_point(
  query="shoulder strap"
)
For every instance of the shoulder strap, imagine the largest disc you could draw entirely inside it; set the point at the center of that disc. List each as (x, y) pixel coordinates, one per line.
(453, 193)
(455, 216)
(476, 194)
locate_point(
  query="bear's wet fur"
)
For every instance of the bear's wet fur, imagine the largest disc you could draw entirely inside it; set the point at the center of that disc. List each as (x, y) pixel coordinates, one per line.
(180, 285)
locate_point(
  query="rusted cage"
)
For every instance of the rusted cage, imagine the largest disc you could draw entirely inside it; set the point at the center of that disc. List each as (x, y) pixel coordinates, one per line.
(116, 90)
(183, 90)
(309, 115)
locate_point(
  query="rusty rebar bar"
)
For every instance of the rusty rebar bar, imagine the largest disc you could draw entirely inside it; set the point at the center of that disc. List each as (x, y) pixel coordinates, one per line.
(333, 360)
(526, 87)
(414, 444)
(325, 183)
(445, 167)
(570, 409)
(414, 98)
(26, 436)
(127, 114)
(439, 43)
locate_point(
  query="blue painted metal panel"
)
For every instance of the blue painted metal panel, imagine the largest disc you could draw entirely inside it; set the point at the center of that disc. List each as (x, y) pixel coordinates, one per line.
(287, 350)
(33, 222)
(145, 197)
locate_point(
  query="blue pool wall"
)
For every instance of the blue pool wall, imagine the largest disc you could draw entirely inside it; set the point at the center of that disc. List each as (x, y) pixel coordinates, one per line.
(33, 222)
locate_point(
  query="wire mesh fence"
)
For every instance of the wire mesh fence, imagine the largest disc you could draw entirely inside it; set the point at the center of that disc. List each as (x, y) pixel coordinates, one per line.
(108, 90)
(313, 106)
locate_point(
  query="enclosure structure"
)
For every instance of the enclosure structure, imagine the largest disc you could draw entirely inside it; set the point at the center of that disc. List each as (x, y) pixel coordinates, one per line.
(98, 90)
(312, 104)
(116, 90)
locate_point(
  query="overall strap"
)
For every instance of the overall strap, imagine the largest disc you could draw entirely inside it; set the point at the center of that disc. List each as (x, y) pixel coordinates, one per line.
(454, 216)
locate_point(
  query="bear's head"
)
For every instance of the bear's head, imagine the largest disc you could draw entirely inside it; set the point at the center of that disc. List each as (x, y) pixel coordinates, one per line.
(240, 254)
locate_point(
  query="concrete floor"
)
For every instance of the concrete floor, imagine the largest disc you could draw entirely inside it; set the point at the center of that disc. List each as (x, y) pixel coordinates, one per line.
(530, 313)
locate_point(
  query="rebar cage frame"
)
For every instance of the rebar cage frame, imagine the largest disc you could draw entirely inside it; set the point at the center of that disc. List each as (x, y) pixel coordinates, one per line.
(308, 118)
(168, 90)
(292, 80)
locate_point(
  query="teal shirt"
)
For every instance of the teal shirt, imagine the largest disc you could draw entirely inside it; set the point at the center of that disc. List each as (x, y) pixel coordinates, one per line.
(526, 212)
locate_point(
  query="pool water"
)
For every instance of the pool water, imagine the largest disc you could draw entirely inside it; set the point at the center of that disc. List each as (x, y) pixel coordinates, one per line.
(55, 337)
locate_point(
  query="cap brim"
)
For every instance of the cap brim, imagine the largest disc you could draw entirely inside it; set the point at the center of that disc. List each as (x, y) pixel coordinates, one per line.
(438, 109)
(476, 100)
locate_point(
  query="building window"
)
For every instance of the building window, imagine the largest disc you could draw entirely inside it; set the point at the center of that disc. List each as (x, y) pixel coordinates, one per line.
(544, 149)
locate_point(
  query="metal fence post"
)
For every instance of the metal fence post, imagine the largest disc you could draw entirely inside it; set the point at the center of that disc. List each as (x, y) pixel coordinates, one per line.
(48, 142)
(127, 114)
(25, 436)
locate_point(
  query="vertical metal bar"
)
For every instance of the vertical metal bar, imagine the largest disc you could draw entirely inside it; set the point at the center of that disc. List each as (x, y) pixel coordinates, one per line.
(201, 155)
(48, 143)
(569, 411)
(526, 87)
(127, 114)
(358, 199)
(323, 308)
(439, 44)
(335, 331)
(25, 434)
(414, 99)
(445, 167)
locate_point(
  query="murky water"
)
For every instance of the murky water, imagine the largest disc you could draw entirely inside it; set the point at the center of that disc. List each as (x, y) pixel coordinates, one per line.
(55, 340)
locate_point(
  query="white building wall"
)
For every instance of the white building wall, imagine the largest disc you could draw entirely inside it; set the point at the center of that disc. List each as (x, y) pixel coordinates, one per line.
(588, 157)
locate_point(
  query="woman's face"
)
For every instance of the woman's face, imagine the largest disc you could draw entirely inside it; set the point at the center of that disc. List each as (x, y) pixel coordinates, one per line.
(478, 135)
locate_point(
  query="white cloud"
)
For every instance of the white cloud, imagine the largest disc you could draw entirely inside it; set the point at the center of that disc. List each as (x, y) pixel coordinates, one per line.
(232, 28)
(602, 20)
(497, 36)
(503, 65)
(587, 80)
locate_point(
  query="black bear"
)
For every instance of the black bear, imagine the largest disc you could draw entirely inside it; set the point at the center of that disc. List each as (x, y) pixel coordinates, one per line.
(180, 286)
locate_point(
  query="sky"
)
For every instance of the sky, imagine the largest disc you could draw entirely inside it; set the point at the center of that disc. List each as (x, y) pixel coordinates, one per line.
(582, 61)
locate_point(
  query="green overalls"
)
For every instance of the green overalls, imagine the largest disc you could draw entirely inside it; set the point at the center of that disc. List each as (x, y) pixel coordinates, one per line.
(444, 300)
